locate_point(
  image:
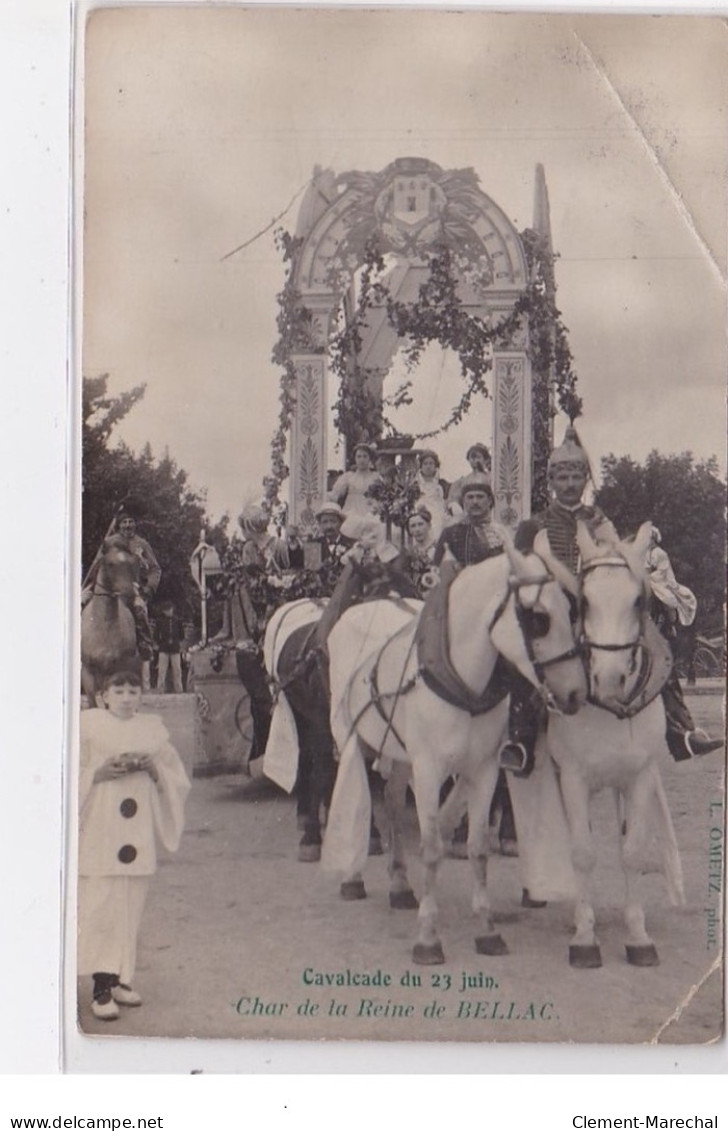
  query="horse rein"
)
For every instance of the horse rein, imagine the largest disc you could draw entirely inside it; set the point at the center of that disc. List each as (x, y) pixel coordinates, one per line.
(539, 666)
(636, 647)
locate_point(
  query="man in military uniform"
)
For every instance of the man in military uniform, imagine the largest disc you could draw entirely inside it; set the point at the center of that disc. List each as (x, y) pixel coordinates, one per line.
(569, 473)
(148, 575)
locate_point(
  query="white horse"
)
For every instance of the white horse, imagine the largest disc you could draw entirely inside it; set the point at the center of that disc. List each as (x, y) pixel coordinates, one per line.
(508, 605)
(615, 741)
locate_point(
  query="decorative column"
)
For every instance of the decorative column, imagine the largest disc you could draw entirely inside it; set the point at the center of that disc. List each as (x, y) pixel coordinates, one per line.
(511, 436)
(308, 440)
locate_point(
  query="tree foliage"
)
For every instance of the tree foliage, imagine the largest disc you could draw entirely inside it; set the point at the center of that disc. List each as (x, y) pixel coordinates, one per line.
(686, 500)
(170, 514)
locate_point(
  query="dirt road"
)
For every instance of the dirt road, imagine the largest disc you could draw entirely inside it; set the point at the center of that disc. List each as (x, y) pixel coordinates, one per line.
(238, 937)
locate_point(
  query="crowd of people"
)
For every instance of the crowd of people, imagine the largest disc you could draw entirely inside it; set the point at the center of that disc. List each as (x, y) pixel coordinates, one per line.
(445, 527)
(448, 528)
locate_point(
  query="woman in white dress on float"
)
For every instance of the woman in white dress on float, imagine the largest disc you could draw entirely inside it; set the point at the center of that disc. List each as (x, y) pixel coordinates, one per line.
(433, 490)
(349, 490)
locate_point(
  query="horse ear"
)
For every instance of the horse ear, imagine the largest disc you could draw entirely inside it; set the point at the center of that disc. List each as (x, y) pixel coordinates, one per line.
(515, 557)
(606, 532)
(636, 552)
(642, 541)
(587, 546)
(557, 569)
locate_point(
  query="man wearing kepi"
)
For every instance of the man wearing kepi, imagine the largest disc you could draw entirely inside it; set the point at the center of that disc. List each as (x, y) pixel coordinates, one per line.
(569, 472)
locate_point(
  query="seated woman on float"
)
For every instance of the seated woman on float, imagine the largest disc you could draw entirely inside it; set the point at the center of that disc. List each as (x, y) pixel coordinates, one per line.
(433, 490)
(420, 554)
(350, 489)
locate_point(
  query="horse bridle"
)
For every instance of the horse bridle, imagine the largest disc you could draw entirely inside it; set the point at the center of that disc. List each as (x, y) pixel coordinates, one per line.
(637, 646)
(97, 591)
(515, 585)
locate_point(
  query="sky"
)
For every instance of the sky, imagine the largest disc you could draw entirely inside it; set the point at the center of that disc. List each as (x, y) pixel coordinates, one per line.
(203, 125)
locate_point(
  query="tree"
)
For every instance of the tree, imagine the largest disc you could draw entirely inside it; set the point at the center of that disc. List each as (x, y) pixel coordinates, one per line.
(686, 500)
(104, 471)
(171, 514)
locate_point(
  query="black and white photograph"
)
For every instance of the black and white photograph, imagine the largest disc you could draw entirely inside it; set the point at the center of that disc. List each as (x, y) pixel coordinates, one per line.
(400, 551)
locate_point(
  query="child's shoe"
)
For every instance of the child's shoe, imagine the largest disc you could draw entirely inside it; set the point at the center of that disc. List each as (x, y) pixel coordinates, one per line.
(104, 1007)
(125, 995)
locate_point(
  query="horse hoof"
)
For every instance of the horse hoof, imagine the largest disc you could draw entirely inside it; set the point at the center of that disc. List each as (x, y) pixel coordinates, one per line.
(353, 889)
(403, 900)
(642, 955)
(425, 954)
(375, 846)
(526, 901)
(585, 957)
(309, 853)
(508, 847)
(491, 944)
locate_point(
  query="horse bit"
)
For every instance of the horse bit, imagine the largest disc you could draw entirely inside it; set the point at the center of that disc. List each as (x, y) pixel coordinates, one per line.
(525, 618)
(637, 647)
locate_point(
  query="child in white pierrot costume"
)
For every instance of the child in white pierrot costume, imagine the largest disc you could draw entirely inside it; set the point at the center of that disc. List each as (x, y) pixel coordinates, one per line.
(133, 788)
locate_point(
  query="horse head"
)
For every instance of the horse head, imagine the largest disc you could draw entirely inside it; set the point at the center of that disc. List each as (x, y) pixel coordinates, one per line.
(108, 633)
(534, 630)
(614, 609)
(117, 570)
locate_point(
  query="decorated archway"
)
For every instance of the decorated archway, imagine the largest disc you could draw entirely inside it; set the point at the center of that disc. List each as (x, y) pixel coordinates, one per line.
(417, 254)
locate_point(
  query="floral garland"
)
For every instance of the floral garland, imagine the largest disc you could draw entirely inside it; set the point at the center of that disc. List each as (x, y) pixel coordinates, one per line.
(358, 415)
(554, 379)
(293, 320)
(437, 315)
(268, 589)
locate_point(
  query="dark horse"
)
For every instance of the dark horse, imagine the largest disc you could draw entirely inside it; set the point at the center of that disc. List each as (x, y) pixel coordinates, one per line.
(108, 633)
(304, 680)
(300, 669)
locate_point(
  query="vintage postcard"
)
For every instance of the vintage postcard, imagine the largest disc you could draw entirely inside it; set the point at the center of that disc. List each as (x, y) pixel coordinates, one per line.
(402, 438)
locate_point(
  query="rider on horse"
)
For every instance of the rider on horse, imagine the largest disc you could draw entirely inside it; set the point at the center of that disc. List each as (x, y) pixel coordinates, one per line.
(569, 472)
(148, 574)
